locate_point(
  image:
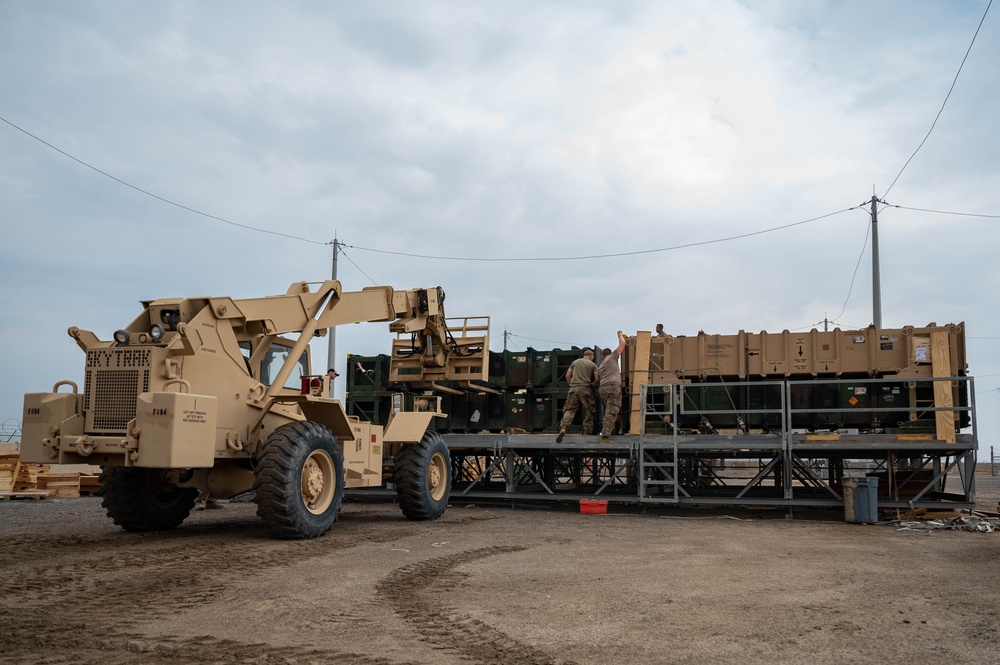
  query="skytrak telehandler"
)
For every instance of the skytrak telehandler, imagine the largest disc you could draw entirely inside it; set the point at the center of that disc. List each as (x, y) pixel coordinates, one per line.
(206, 395)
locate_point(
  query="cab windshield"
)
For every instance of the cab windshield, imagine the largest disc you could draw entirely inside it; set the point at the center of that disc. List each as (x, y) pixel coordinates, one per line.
(273, 361)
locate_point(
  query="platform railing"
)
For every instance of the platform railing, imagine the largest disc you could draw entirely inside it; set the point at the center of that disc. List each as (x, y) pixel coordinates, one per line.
(911, 406)
(697, 407)
(753, 427)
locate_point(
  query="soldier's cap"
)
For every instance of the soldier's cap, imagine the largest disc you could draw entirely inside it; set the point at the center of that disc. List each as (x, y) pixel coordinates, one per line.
(606, 352)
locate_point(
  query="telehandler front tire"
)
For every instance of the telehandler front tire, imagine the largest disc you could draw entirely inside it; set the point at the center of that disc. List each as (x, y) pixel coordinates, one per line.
(299, 482)
(423, 478)
(139, 500)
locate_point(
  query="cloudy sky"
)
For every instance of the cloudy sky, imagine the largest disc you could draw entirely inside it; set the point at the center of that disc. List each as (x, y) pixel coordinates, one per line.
(567, 168)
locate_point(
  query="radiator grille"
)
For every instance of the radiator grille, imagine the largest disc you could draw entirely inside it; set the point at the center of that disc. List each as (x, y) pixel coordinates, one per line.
(115, 377)
(118, 358)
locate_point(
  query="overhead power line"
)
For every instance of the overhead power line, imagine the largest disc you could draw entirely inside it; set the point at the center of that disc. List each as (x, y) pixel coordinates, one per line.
(535, 339)
(344, 254)
(601, 256)
(836, 324)
(855, 275)
(993, 393)
(446, 258)
(941, 110)
(944, 212)
(155, 196)
(433, 257)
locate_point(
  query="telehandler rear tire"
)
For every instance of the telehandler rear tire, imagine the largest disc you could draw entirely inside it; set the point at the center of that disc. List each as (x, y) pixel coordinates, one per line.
(139, 500)
(423, 478)
(299, 483)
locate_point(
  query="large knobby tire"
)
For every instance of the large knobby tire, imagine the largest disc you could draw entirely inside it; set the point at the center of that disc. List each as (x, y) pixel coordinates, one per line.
(299, 481)
(140, 499)
(423, 478)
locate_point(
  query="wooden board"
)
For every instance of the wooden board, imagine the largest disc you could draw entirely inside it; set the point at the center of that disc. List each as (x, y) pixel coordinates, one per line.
(640, 377)
(941, 366)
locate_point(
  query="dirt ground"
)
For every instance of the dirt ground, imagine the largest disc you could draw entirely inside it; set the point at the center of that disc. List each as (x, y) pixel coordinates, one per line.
(495, 585)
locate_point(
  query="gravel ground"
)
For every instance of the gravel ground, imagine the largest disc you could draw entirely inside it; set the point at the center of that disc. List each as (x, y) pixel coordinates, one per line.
(496, 585)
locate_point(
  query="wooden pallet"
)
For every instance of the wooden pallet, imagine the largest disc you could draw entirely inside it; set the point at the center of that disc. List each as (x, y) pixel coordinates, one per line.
(26, 494)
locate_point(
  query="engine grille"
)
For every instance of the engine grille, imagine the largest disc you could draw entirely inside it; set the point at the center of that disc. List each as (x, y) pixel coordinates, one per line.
(114, 379)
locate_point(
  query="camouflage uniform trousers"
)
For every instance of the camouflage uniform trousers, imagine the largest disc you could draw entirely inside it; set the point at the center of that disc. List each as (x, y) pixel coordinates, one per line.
(611, 398)
(579, 395)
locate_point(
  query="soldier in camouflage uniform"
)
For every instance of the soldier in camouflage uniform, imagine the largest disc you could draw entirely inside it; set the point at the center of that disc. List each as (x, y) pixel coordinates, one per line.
(582, 375)
(610, 377)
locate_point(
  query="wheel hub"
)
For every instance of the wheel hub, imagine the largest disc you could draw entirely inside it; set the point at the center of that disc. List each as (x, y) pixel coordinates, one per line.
(319, 482)
(313, 483)
(437, 481)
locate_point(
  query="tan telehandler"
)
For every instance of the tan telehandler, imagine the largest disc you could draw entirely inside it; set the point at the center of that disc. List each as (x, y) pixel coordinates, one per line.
(206, 395)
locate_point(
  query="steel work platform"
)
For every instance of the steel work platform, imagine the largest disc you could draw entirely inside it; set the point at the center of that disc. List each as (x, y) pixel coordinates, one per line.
(752, 470)
(781, 468)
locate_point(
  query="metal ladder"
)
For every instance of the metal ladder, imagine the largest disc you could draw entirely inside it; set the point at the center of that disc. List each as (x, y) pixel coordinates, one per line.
(657, 478)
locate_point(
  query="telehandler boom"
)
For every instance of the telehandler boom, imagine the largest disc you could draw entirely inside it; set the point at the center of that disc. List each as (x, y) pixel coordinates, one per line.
(208, 395)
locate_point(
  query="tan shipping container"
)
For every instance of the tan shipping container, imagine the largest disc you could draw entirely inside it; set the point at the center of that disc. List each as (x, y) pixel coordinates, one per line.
(904, 352)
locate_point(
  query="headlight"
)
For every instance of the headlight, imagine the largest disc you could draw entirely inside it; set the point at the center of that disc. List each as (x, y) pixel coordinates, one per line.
(156, 332)
(122, 336)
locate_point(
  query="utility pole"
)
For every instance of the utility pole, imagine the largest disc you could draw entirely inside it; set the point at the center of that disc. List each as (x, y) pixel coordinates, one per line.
(331, 333)
(876, 281)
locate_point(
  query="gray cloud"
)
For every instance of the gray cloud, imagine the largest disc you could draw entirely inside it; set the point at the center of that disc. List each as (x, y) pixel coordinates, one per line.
(504, 130)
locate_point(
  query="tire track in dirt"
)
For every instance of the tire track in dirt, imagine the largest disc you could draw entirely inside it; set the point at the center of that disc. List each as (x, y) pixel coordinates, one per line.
(410, 590)
(80, 600)
(77, 644)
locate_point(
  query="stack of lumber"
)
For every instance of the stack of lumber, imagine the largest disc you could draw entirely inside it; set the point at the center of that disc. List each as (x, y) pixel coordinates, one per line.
(10, 469)
(18, 479)
(30, 473)
(16, 476)
(60, 485)
(90, 485)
